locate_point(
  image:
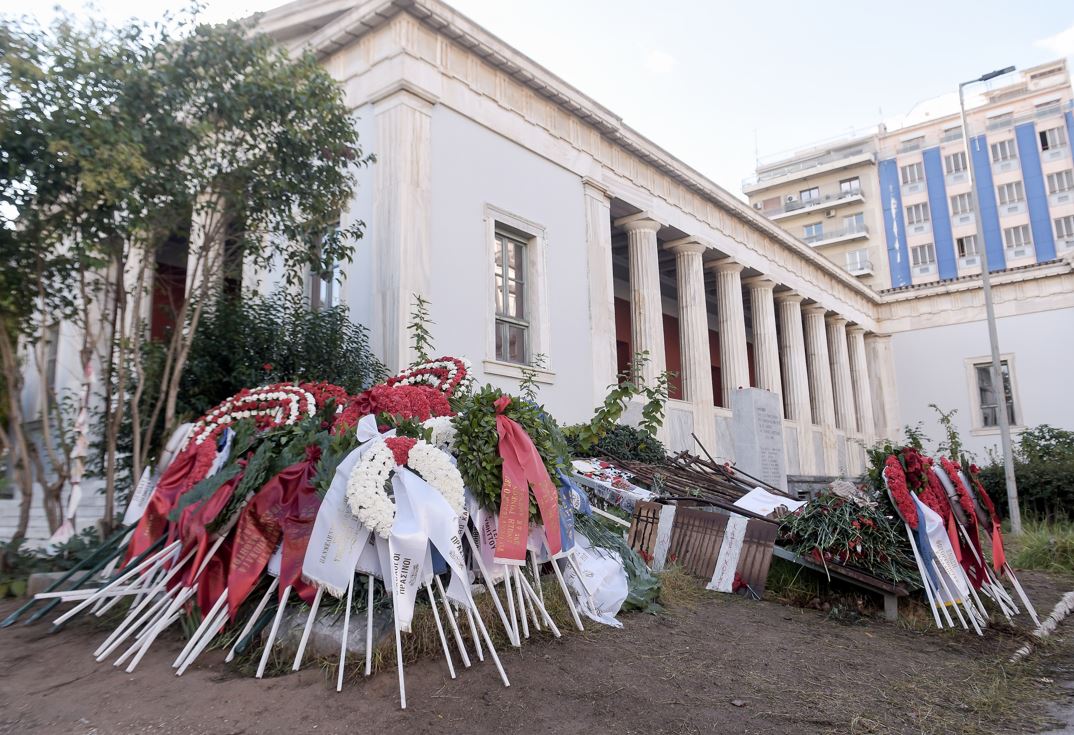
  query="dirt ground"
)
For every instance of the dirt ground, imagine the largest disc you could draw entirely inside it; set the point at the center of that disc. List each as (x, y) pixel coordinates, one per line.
(726, 665)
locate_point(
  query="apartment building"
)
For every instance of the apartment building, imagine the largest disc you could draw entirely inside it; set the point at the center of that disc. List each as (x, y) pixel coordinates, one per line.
(913, 187)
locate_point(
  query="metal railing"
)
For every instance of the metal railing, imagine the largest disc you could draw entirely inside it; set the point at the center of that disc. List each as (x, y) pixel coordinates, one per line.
(807, 164)
(836, 234)
(797, 204)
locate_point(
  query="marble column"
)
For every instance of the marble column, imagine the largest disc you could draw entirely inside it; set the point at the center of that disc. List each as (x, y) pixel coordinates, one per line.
(693, 322)
(820, 370)
(859, 376)
(792, 353)
(696, 360)
(401, 208)
(646, 307)
(842, 386)
(765, 339)
(731, 318)
(601, 290)
(881, 367)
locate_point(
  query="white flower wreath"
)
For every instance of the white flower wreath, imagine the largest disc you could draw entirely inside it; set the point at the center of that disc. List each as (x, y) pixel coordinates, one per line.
(366, 492)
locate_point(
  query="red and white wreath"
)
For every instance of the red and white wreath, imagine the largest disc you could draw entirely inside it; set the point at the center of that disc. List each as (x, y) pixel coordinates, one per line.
(366, 493)
(449, 374)
(270, 406)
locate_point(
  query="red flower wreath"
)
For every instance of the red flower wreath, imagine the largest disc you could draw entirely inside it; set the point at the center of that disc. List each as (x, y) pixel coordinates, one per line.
(896, 481)
(420, 402)
(961, 490)
(935, 497)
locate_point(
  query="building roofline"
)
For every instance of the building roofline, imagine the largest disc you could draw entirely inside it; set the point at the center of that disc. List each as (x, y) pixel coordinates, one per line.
(352, 24)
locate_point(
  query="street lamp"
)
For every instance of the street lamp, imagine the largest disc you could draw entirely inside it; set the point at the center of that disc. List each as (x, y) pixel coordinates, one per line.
(998, 384)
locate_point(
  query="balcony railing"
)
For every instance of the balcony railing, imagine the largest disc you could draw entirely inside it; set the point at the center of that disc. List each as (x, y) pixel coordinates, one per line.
(839, 234)
(1007, 121)
(807, 164)
(860, 268)
(803, 204)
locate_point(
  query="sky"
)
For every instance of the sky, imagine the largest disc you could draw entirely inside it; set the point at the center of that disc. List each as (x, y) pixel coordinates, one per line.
(717, 83)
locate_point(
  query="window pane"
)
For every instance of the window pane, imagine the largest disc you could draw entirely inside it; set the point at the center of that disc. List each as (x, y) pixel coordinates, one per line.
(499, 293)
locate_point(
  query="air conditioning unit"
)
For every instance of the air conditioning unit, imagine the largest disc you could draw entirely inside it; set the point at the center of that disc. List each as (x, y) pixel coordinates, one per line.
(829, 213)
(790, 198)
(757, 206)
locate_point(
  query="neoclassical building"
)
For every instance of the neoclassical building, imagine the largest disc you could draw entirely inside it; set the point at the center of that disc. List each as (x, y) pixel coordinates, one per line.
(549, 235)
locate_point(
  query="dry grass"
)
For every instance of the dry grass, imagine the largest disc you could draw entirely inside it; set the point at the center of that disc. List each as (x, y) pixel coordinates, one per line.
(679, 588)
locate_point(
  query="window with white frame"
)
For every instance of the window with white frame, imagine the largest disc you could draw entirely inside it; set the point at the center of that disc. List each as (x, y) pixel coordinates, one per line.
(1064, 227)
(913, 173)
(809, 196)
(849, 187)
(1011, 193)
(1060, 181)
(1004, 150)
(961, 204)
(324, 278)
(858, 260)
(1052, 138)
(923, 254)
(988, 398)
(917, 214)
(1017, 237)
(512, 316)
(955, 162)
(854, 223)
(813, 232)
(966, 245)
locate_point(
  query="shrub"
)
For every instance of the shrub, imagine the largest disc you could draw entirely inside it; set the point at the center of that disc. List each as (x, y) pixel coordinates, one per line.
(1043, 468)
(619, 442)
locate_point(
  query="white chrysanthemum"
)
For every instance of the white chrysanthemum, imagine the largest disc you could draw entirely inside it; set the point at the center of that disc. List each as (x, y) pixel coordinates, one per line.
(443, 432)
(437, 469)
(365, 490)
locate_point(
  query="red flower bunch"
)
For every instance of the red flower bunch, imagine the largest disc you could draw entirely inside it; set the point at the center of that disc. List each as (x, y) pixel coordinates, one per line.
(896, 480)
(419, 402)
(961, 490)
(324, 392)
(935, 497)
(916, 468)
(401, 446)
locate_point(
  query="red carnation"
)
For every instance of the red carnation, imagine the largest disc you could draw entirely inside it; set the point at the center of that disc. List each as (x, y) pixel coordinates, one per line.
(961, 490)
(935, 497)
(896, 481)
(401, 446)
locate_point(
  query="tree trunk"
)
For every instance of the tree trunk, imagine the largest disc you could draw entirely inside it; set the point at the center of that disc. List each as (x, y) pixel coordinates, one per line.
(16, 441)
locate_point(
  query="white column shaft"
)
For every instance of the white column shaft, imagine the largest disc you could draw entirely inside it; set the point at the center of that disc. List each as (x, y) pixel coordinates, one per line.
(646, 307)
(859, 376)
(881, 368)
(820, 371)
(765, 340)
(841, 379)
(601, 290)
(734, 361)
(792, 353)
(693, 326)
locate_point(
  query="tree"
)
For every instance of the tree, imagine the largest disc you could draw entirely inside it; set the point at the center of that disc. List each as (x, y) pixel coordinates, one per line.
(119, 139)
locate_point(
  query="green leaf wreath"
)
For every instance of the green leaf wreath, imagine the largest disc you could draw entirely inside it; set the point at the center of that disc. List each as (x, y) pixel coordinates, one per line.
(477, 444)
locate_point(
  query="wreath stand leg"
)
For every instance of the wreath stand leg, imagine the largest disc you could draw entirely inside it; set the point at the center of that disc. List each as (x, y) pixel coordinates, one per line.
(540, 606)
(516, 572)
(440, 629)
(925, 581)
(272, 632)
(253, 619)
(307, 629)
(1022, 594)
(476, 555)
(567, 596)
(369, 625)
(218, 625)
(473, 633)
(202, 630)
(485, 635)
(346, 634)
(138, 619)
(509, 593)
(453, 623)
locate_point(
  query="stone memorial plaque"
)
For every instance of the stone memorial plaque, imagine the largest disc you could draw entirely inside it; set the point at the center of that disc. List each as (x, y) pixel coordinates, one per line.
(757, 431)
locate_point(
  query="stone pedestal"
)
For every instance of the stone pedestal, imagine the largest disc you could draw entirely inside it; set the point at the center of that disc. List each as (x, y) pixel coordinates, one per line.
(757, 430)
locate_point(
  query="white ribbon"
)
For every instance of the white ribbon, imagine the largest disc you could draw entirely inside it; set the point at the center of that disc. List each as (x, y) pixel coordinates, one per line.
(407, 546)
(440, 525)
(946, 560)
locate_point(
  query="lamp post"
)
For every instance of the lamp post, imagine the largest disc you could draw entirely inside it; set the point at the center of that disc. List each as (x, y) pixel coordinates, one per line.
(998, 383)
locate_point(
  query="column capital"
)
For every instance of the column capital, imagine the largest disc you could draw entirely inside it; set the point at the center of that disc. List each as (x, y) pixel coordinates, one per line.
(815, 309)
(640, 222)
(595, 188)
(789, 297)
(685, 246)
(763, 283)
(876, 337)
(855, 330)
(836, 320)
(725, 265)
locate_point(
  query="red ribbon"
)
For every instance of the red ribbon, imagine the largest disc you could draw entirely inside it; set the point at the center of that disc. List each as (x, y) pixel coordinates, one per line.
(186, 470)
(999, 556)
(262, 526)
(523, 470)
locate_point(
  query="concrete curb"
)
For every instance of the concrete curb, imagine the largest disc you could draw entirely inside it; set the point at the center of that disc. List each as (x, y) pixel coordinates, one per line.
(1061, 610)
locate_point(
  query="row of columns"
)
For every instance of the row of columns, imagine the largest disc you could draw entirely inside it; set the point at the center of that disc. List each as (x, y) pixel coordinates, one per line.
(818, 362)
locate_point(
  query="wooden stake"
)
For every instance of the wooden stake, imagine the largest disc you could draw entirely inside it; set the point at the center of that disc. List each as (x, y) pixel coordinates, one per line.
(476, 555)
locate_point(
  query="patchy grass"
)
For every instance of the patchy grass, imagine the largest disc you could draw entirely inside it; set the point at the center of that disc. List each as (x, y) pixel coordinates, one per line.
(680, 589)
(1046, 546)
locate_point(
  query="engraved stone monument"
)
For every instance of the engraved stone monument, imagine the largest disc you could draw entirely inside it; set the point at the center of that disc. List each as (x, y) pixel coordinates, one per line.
(757, 430)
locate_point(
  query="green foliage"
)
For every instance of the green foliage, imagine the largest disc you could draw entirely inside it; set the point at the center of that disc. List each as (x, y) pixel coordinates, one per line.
(477, 444)
(528, 388)
(421, 337)
(643, 588)
(1043, 468)
(952, 447)
(17, 562)
(619, 442)
(1044, 545)
(915, 436)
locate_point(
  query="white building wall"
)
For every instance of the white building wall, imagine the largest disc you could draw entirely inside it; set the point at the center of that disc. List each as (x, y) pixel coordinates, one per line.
(474, 168)
(930, 367)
